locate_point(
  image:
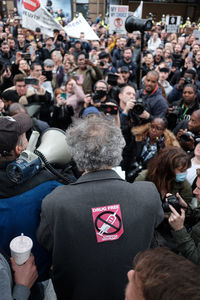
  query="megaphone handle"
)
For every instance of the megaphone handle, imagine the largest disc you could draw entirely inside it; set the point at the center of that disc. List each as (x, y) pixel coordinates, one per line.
(33, 141)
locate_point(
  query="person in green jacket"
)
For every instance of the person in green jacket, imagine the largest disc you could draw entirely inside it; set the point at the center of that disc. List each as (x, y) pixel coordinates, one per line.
(168, 171)
(187, 243)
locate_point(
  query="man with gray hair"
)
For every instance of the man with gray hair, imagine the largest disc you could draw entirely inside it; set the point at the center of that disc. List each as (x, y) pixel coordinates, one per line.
(93, 228)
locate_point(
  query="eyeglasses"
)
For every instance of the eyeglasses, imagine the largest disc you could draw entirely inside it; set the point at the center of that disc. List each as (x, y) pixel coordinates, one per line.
(156, 127)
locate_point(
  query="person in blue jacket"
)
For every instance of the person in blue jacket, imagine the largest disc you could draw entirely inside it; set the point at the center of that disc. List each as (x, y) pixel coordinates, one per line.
(20, 203)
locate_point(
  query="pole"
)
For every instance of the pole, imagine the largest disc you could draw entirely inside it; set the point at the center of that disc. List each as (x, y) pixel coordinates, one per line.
(141, 59)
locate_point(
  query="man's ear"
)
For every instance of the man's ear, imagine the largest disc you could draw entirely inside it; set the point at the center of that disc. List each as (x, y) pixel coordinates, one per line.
(130, 275)
(18, 149)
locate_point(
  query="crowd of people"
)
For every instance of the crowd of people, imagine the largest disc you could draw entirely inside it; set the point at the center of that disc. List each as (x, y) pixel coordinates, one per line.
(87, 233)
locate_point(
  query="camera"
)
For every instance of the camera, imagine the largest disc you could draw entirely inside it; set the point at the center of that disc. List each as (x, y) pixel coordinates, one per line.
(101, 63)
(135, 24)
(109, 109)
(176, 111)
(136, 168)
(188, 80)
(173, 201)
(185, 137)
(95, 97)
(138, 107)
(60, 38)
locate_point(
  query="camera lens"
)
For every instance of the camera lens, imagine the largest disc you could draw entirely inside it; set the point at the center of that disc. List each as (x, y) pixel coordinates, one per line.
(138, 109)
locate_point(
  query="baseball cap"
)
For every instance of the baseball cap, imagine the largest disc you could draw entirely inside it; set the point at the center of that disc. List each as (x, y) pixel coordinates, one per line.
(37, 29)
(103, 54)
(11, 128)
(124, 69)
(90, 110)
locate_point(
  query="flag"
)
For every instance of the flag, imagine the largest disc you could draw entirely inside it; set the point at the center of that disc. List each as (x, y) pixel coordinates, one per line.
(138, 12)
(78, 25)
(36, 15)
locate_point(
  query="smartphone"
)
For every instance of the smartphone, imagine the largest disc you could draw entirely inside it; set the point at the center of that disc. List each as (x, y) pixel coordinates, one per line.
(63, 95)
(26, 56)
(48, 75)
(112, 79)
(31, 50)
(109, 109)
(33, 81)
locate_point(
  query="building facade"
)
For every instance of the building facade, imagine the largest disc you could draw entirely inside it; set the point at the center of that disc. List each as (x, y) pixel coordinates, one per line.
(6, 7)
(184, 8)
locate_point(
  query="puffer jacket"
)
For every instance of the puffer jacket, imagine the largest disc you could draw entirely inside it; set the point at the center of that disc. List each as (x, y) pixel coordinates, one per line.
(133, 151)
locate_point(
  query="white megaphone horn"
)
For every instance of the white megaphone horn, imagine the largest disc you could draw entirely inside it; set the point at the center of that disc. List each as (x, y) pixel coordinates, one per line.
(53, 149)
(53, 146)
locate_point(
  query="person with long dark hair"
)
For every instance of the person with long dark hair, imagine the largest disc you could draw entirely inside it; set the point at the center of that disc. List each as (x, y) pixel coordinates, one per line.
(168, 171)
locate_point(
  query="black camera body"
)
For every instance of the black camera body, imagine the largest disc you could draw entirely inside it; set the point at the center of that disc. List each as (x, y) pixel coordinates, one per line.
(139, 107)
(187, 80)
(60, 38)
(136, 168)
(95, 97)
(185, 137)
(176, 111)
(173, 201)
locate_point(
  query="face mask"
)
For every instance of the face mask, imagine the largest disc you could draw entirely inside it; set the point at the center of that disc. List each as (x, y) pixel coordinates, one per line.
(180, 177)
(101, 93)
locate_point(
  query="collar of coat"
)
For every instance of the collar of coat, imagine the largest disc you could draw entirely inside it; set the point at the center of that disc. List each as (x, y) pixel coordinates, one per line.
(140, 133)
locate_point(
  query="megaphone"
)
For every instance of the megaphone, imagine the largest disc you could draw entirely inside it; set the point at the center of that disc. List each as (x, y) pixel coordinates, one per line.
(54, 146)
(53, 149)
(135, 24)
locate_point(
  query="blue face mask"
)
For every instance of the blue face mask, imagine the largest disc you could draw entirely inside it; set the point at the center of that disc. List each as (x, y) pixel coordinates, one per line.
(180, 177)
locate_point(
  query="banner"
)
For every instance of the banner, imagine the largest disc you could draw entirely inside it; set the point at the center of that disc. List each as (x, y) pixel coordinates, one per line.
(117, 18)
(57, 4)
(35, 15)
(74, 28)
(138, 12)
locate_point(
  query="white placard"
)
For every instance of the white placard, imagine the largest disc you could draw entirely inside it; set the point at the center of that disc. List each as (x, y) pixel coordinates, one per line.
(117, 18)
(172, 24)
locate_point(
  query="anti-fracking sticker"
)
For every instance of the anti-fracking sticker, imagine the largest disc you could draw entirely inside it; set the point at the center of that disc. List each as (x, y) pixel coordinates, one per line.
(107, 222)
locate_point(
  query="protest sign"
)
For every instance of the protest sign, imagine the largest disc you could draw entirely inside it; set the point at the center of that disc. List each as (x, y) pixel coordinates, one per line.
(74, 28)
(172, 24)
(117, 18)
(197, 35)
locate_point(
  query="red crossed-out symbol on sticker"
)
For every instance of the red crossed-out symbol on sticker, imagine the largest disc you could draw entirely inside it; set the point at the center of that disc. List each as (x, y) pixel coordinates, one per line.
(31, 5)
